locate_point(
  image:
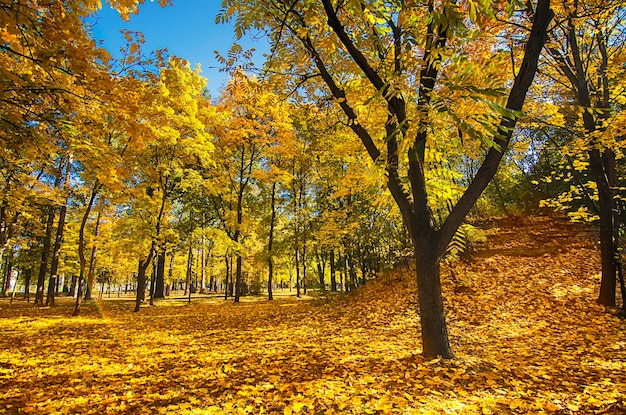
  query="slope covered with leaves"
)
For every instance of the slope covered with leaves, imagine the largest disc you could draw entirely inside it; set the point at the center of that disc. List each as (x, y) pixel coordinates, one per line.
(528, 336)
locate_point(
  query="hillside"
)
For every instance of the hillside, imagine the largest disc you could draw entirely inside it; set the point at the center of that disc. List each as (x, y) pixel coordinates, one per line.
(523, 323)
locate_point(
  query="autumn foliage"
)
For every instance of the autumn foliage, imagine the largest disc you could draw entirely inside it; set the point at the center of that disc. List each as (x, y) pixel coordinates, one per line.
(529, 339)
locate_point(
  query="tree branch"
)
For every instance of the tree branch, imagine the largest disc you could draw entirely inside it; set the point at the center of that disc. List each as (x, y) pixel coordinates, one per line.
(517, 96)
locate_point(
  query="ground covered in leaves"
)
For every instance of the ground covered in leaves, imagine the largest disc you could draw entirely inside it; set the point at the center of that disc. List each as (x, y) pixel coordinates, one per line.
(523, 323)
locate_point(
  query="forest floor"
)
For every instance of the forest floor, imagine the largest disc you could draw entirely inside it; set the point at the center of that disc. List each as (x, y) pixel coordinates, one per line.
(523, 322)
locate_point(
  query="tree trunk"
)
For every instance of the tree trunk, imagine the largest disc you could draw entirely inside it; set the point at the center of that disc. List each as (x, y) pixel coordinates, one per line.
(433, 319)
(608, 249)
(56, 253)
(43, 265)
(226, 284)
(238, 278)
(91, 273)
(333, 278)
(304, 279)
(203, 263)
(73, 286)
(237, 285)
(170, 274)
(159, 281)
(142, 267)
(321, 270)
(270, 244)
(342, 272)
(297, 257)
(152, 282)
(79, 292)
(28, 274)
(188, 271)
(8, 270)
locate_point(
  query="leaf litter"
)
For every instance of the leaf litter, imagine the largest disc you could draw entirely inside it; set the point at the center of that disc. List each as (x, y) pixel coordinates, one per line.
(523, 322)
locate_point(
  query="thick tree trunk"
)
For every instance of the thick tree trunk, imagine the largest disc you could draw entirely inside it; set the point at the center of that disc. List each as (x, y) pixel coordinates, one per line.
(433, 319)
(142, 267)
(159, 283)
(608, 249)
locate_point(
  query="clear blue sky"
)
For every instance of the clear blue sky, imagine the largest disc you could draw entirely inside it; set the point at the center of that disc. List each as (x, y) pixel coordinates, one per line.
(187, 30)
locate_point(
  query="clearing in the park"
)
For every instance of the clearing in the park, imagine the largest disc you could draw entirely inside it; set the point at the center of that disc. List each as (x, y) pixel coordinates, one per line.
(527, 333)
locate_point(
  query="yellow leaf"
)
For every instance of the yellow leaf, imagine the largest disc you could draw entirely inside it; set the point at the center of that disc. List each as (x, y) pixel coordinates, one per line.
(297, 406)
(516, 403)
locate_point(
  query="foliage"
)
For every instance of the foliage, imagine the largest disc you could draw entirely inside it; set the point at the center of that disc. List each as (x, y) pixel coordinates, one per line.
(464, 241)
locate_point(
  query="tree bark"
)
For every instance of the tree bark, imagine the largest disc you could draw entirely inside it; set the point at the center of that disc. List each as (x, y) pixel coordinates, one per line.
(270, 245)
(81, 250)
(297, 258)
(56, 253)
(203, 263)
(142, 266)
(608, 249)
(47, 239)
(152, 281)
(45, 252)
(7, 271)
(170, 274)
(333, 278)
(159, 283)
(431, 307)
(188, 271)
(91, 272)
(238, 280)
(226, 284)
(28, 274)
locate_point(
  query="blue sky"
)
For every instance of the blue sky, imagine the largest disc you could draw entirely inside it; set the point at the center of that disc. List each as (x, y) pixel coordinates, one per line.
(187, 30)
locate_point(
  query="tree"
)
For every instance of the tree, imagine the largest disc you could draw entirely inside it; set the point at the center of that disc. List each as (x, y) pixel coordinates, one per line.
(405, 51)
(179, 149)
(252, 119)
(587, 53)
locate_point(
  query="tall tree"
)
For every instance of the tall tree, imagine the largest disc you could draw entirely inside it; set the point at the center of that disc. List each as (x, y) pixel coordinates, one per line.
(405, 51)
(588, 54)
(251, 120)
